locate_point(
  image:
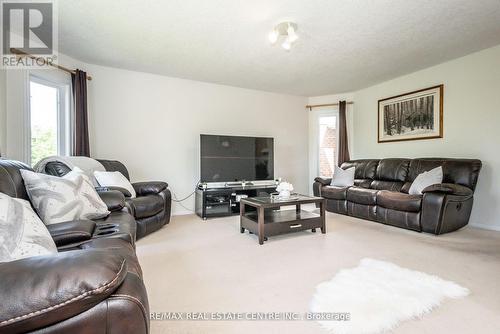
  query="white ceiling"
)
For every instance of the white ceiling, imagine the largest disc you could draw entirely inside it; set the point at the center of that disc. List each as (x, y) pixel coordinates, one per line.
(344, 45)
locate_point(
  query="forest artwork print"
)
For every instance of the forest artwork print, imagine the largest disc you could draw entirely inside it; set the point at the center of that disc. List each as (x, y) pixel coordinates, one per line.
(411, 116)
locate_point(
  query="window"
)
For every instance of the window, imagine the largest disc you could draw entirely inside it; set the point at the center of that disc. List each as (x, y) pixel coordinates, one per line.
(327, 145)
(49, 119)
(323, 136)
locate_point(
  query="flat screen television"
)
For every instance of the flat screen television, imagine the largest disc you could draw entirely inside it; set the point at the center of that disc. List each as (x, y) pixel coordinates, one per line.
(235, 158)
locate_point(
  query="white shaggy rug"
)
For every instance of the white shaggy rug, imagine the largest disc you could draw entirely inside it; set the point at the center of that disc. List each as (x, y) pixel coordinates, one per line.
(379, 295)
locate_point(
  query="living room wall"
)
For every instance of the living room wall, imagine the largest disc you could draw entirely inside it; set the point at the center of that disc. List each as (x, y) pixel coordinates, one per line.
(152, 123)
(471, 121)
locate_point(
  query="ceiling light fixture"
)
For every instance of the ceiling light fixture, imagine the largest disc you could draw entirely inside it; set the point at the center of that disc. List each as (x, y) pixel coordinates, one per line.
(273, 36)
(287, 30)
(287, 45)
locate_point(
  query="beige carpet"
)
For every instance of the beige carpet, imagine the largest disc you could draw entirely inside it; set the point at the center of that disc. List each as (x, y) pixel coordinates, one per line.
(196, 266)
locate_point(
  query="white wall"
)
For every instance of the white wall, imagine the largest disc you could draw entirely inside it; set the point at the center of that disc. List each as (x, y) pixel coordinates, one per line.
(471, 123)
(152, 124)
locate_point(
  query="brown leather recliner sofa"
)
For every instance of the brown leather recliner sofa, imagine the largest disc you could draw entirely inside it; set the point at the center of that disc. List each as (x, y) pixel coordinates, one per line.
(93, 285)
(380, 193)
(152, 206)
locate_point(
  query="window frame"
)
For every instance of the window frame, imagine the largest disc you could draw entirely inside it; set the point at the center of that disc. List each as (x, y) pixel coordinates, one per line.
(318, 143)
(314, 116)
(64, 114)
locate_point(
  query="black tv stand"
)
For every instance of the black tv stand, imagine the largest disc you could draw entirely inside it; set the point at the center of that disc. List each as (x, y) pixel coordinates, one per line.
(225, 201)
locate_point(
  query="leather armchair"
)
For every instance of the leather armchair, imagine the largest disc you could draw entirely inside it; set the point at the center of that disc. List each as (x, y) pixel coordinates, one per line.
(151, 207)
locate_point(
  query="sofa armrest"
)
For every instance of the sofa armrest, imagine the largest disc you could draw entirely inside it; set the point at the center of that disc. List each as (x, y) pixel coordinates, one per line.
(445, 212)
(114, 199)
(449, 188)
(72, 231)
(124, 191)
(323, 181)
(149, 188)
(56, 287)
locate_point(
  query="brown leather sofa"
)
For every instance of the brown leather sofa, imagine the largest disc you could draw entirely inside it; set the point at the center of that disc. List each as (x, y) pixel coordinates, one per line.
(93, 285)
(152, 206)
(380, 193)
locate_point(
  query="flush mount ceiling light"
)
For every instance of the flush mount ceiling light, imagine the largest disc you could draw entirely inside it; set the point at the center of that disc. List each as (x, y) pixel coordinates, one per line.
(287, 30)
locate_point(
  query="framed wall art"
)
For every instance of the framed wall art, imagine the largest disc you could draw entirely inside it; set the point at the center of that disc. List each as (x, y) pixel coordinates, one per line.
(411, 116)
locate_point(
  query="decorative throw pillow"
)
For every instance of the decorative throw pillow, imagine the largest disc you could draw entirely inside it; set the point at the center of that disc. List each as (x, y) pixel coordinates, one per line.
(22, 233)
(59, 199)
(426, 179)
(343, 177)
(114, 179)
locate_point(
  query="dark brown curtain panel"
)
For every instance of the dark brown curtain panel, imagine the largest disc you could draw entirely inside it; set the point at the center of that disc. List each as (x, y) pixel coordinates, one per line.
(343, 154)
(81, 145)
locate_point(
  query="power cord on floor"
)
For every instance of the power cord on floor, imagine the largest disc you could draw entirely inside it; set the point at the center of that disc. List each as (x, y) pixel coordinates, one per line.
(176, 200)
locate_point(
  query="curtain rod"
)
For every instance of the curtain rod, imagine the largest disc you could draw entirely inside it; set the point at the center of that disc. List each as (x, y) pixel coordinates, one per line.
(325, 105)
(65, 69)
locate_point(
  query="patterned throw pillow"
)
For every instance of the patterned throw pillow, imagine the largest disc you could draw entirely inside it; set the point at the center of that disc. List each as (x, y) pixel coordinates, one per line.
(22, 233)
(60, 199)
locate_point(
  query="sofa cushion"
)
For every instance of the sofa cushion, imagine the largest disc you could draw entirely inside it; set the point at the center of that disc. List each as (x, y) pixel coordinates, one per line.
(399, 201)
(332, 192)
(392, 170)
(365, 168)
(460, 171)
(146, 206)
(363, 183)
(387, 185)
(362, 196)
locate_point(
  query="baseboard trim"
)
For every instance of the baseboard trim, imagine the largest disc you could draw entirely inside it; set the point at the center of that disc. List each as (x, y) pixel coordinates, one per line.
(182, 213)
(486, 226)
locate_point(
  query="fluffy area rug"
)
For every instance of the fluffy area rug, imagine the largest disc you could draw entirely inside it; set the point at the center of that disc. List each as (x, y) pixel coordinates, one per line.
(379, 295)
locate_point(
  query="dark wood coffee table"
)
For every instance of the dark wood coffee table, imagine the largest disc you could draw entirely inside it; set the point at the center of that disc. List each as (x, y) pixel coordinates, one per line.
(266, 221)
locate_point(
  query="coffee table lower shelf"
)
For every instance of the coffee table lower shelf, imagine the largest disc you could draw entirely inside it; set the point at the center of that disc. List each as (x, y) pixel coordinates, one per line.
(276, 222)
